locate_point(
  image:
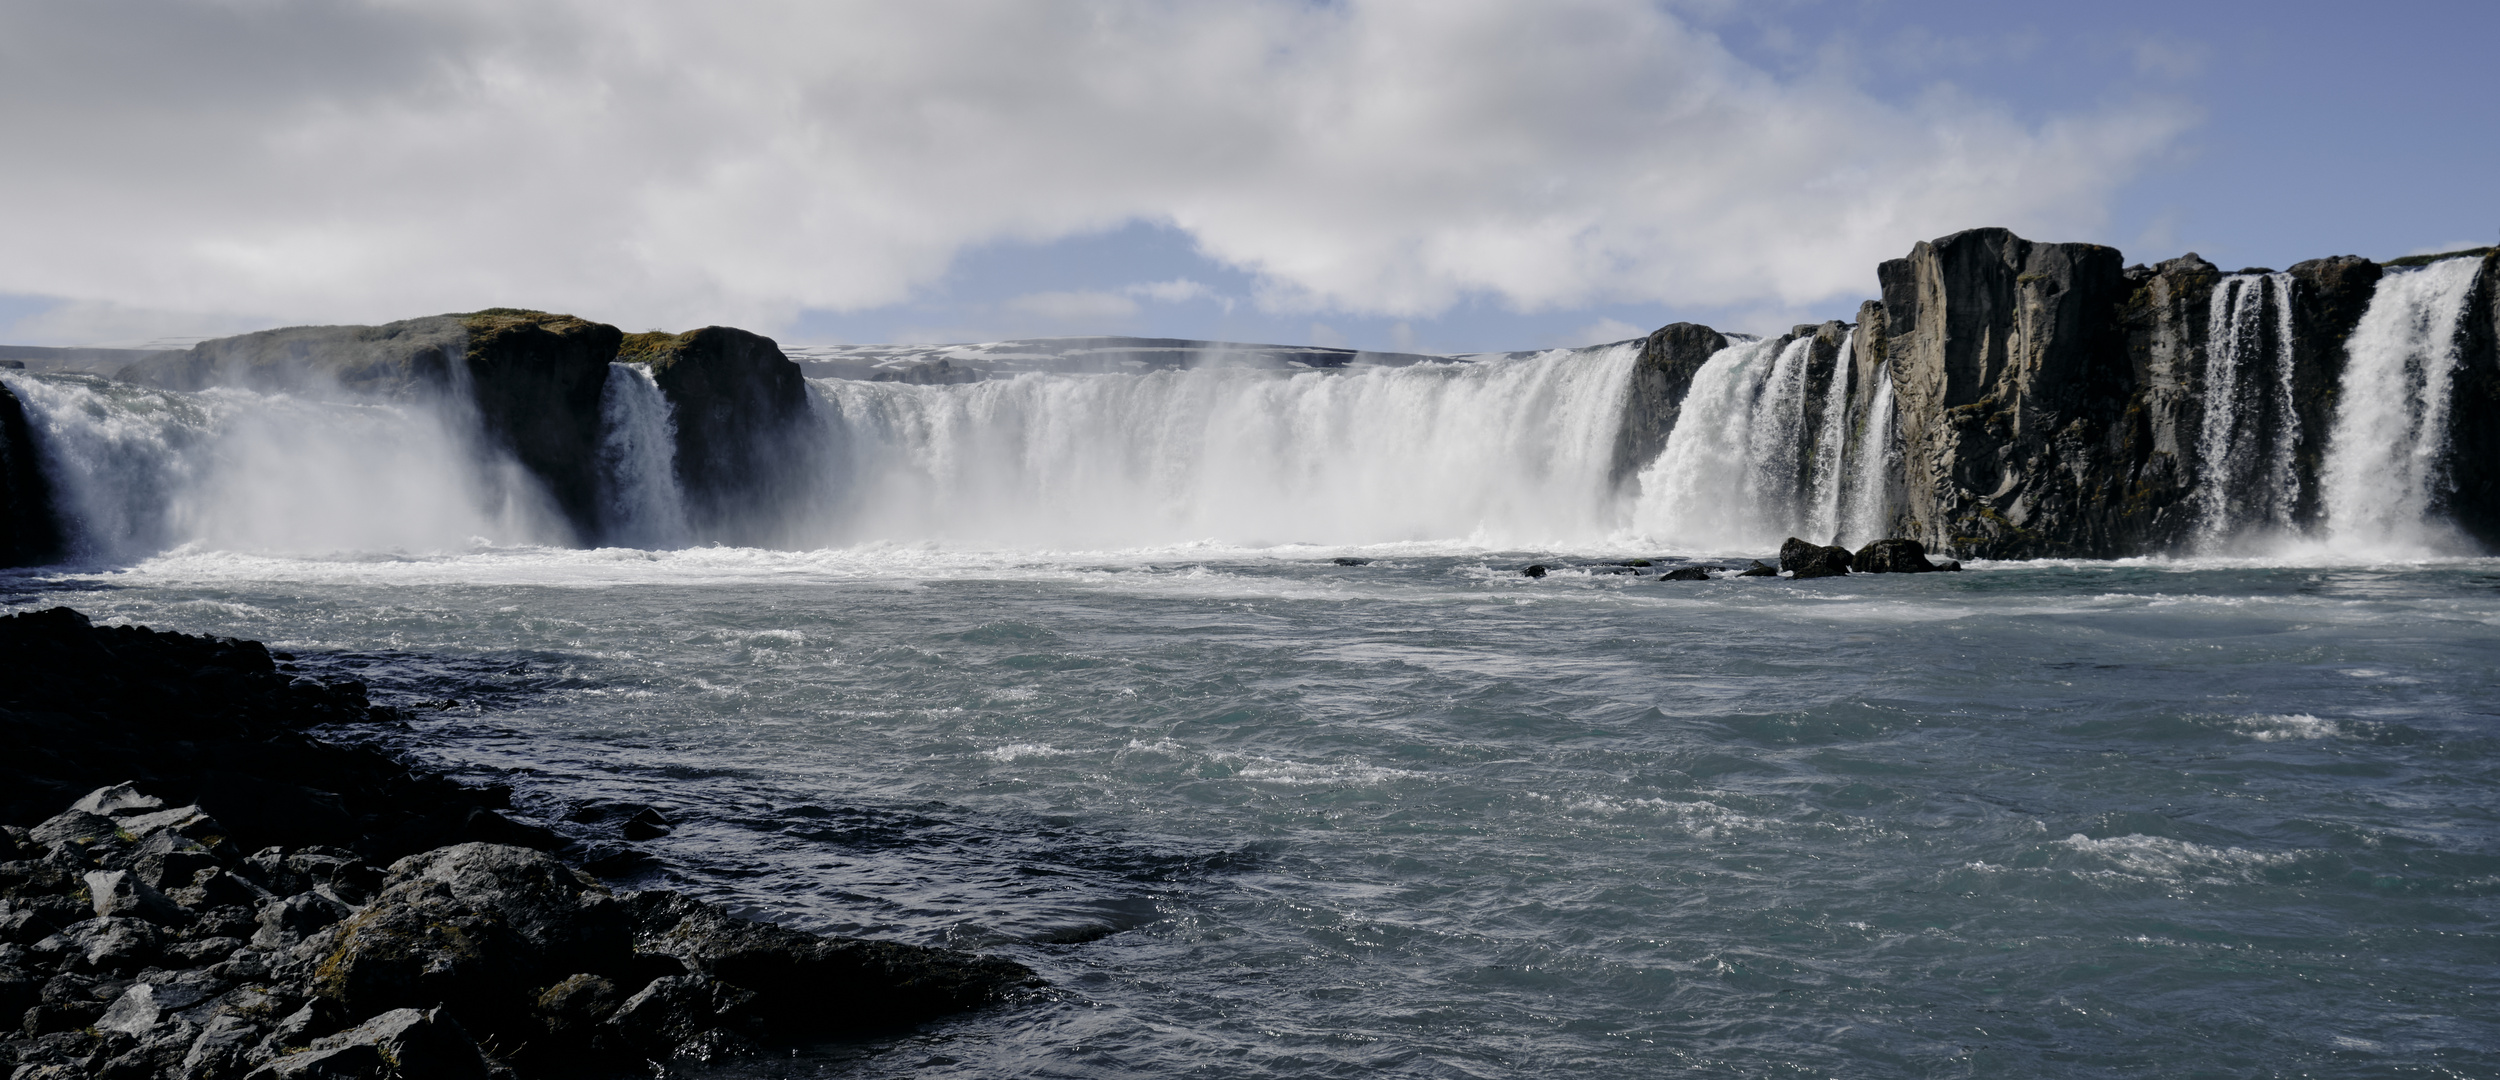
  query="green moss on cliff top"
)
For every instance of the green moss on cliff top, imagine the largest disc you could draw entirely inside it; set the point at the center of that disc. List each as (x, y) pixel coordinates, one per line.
(650, 346)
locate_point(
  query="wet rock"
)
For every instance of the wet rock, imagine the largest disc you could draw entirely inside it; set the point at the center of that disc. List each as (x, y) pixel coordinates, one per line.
(647, 825)
(1345, 561)
(1802, 559)
(1685, 573)
(1759, 569)
(567, 918)
(397, 955)
(688, 1015)
(1534, 570)
(1893, 556)
(572, 1010)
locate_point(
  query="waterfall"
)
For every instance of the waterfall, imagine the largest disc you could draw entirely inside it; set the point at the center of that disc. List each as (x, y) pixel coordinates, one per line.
(136, 471)
(2245, 475)
(1870, 507)
(640, 501)
(1830, 468)
(1504, 451)
(2384, 453)
(1727, 479)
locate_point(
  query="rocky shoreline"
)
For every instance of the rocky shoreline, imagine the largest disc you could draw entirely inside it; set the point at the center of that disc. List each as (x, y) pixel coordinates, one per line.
(212, 914)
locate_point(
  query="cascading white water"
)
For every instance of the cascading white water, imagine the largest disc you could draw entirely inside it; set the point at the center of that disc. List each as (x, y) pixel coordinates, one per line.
(2385, 449)
(136, 471)
(1512, 451)
(640, 501)
(1728, 479)
(1869, 512)
(2246, 482)
(1830, 445)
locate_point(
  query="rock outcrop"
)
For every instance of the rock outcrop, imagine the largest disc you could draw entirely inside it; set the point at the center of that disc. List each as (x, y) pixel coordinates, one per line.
(30, 528)
(744, 451)
(2473, 498)
(533, 380)
(1895, 556)
(1660, 378)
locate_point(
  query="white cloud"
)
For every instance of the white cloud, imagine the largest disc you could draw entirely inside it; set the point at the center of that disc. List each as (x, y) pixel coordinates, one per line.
(1606, 331)
(1075, 306)
(653, 162)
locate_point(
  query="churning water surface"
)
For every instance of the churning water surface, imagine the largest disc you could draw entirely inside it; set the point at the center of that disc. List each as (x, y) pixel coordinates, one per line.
(1253, 813)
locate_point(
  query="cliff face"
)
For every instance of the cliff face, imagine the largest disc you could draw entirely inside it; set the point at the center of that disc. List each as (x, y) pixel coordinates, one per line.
(2013, 380)
(30, 531)
(533, 378)
(743, 451)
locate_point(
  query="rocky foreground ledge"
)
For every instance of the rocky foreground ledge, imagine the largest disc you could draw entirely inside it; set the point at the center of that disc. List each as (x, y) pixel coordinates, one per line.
(144, 934)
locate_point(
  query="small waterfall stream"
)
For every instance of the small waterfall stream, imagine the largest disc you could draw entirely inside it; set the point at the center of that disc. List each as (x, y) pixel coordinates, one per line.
(2246, 479)
(1869, 514)
(2385, 452)
(1830, 450)
(641, 503)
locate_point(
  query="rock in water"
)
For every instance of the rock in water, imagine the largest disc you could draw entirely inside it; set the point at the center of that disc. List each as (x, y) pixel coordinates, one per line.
(1758, 569)
(1534, 570)
(1893, 556)
(1685, 573)
(1808, 560)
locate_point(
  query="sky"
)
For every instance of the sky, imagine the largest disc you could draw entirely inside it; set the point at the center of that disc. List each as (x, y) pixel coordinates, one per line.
(1408, 175)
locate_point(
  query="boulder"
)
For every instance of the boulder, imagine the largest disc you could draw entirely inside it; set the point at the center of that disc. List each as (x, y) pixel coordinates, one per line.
(118, 893)
(1802, 559)
(1892, 556)
(567, 918)
(1685, 573)
(1534, 570)
(415, 1045)
(1759, 569)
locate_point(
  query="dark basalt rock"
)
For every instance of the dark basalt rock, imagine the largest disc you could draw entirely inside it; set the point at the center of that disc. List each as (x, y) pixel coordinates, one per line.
(1534, 570)
(30, 527)
(205, 721)
(1803, 559)
(1759, 569)
(1893, 556)
(1346, 561)
(2473, 496)
(743, 450)
(1685, 573)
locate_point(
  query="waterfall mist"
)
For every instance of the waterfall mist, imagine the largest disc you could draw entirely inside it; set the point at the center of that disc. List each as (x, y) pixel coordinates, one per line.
(138, 470)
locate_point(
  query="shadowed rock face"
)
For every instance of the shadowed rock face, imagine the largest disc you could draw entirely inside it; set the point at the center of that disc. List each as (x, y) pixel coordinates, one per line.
(743, 451)
(30, 530)
(533, 378)
(2474, 426)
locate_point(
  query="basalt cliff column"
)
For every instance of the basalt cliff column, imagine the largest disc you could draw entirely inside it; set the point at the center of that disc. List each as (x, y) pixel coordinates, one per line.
(30, 530)
(743, 451)
(2013, 381)
(533, 379)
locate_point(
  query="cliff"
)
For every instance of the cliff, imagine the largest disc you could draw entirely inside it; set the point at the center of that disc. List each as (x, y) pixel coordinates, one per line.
(743, 450)
(30, 530)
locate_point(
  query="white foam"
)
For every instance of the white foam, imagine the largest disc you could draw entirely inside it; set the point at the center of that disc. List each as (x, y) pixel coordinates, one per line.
(2290, 726)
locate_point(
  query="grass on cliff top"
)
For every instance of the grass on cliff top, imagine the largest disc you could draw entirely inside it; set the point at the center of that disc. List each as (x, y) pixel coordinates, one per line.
(2426, 260)
(506, 318)
(650, 346)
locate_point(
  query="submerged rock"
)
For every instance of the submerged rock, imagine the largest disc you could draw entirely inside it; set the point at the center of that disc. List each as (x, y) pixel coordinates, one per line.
(1534, 570)
(1685, 573)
